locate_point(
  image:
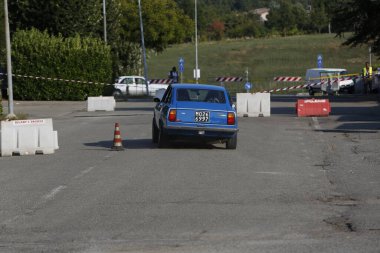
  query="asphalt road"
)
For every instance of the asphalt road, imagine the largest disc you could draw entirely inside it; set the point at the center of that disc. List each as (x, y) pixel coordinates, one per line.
(293, 184)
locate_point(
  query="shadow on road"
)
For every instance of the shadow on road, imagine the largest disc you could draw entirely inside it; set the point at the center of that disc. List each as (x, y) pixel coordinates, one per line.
(128, 144)
(148, 144)
(126, 109)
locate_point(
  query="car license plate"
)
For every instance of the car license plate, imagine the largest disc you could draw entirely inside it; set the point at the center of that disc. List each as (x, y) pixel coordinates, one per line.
(202, 116)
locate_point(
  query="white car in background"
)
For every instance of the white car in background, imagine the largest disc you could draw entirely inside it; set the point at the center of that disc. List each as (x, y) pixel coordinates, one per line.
(134, 86)
(325, 80)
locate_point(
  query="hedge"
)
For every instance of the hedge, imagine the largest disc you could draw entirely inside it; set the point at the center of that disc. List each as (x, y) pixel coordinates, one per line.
(36, 53)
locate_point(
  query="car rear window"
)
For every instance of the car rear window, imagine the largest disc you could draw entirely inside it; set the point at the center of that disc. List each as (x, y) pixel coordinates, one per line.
(201, 95)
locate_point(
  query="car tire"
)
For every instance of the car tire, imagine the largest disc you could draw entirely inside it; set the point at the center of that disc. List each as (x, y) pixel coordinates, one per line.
(232, 142)
(311, 92)
(117, 94)
(155, 132)
(162, 139)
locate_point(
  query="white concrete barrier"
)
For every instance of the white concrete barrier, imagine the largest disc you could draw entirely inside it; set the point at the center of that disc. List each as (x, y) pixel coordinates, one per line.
(101, 104)
(28, 137)
(253, 105)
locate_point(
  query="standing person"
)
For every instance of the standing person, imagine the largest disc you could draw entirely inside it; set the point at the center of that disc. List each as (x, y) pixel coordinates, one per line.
(173, 74)
(367, 78)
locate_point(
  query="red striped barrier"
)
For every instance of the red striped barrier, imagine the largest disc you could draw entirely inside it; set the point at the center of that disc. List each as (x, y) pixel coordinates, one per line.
(229, 79)
(160, 81)
(287, 79)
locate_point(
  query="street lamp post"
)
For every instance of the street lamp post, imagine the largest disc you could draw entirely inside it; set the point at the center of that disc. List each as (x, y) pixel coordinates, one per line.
(143, 49)
(105, 21)
(196, 43)
(9, 62)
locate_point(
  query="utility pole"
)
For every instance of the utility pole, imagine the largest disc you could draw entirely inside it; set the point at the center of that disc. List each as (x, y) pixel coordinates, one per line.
(105, 21)
(143, 49)
(9, 62)
(196, 71)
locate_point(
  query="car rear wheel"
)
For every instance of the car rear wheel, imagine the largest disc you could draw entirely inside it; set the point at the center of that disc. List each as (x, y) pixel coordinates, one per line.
(311, 92)
(232, 142)
(162, 139)
(154, 132)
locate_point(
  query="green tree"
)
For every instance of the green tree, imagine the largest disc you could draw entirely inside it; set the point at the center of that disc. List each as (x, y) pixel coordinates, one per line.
(76, 58)
(282, 18)
(66, 17)
(362, 17)
(244, 25)
(2, 34)
(319, 16)
(164, 23)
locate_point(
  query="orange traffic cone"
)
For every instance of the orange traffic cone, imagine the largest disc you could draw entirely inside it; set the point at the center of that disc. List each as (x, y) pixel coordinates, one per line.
(117, 142)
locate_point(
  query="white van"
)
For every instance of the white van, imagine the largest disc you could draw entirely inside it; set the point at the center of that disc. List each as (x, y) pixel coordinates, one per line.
(134, 86)
(323, 79)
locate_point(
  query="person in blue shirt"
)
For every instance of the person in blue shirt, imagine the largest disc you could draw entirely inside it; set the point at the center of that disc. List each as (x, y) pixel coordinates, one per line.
(173, 74)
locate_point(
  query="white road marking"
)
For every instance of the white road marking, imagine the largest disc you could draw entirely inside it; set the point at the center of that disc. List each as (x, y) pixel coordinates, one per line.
(274, 173)
(84, 172)
(43, 200)
(52, 193)
(50, 196)
(316, 123)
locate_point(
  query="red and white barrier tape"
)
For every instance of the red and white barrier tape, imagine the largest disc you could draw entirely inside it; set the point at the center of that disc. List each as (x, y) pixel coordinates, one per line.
(308, 85)
(160, 81)
(287, 79)
(153, 81)
(53, 79)
(229, 79)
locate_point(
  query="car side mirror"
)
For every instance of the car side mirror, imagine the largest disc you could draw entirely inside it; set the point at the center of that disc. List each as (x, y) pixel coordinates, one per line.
(157, 100)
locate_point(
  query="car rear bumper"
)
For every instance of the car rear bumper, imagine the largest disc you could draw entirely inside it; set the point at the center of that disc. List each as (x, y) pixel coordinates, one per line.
(201, 132)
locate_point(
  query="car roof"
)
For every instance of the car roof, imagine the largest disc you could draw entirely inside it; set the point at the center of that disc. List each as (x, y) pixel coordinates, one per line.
(129, 76)
(327, 69)
(197, 86)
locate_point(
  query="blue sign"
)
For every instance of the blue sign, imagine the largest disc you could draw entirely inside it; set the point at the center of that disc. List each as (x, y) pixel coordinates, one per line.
(248, 85)
(319, 61)
(181, 63)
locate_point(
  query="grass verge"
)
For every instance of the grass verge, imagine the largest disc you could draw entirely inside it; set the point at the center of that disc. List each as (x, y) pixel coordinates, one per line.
(263, 58)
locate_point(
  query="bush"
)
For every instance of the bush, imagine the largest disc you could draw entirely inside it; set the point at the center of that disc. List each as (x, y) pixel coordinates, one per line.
(37, 53)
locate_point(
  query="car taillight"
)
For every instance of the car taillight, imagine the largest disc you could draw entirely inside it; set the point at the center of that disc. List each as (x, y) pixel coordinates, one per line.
(172, 115)
(231, 118)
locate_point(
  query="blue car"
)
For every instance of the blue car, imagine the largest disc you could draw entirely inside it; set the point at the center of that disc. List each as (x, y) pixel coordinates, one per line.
(196, 112)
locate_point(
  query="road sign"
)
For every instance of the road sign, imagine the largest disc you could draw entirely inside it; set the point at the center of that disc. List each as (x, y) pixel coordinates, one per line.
(181, 64)
(248, 86)
(319, 61)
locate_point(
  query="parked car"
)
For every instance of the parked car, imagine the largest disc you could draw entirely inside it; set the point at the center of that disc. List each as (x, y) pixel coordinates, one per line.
(195, 111)
(327, 77)
(134, 86)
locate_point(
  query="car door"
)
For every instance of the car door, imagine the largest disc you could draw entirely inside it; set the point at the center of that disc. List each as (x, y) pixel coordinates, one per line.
(140, 86)
(130, 88)
(161, 109)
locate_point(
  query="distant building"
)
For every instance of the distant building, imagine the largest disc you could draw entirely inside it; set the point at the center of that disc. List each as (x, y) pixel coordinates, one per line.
(263, 13)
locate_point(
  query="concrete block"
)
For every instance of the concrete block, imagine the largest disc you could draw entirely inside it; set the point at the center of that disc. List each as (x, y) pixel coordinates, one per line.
(253, 105)
(101, 104)
(242, 104)
(28, 137)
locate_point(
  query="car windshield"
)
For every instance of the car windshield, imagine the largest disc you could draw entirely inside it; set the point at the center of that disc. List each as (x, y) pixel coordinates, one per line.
(201, 95)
